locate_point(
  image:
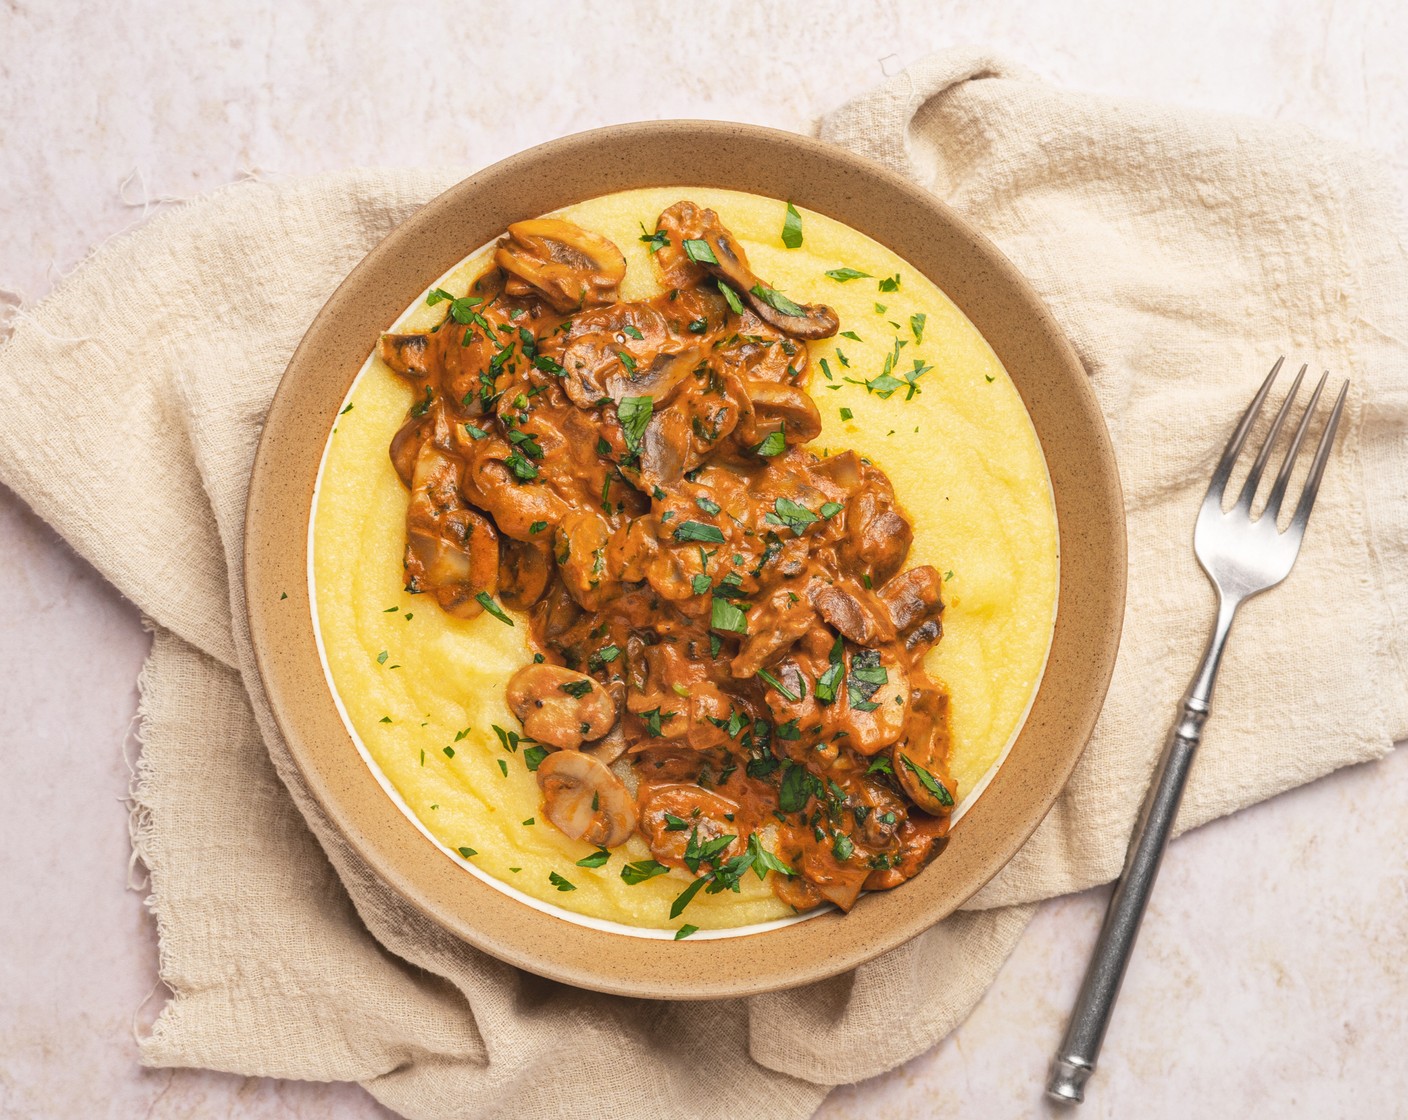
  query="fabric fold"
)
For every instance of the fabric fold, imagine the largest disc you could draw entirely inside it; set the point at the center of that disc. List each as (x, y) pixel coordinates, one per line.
(1180, 251)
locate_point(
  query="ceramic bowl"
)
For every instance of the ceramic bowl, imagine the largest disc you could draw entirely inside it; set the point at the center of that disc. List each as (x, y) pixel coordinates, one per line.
(931, 238)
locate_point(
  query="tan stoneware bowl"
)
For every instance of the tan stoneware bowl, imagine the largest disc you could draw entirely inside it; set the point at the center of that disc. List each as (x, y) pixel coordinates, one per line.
(932, 239)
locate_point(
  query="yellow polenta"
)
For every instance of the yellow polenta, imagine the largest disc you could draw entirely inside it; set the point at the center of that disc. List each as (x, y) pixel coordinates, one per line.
(424, 690)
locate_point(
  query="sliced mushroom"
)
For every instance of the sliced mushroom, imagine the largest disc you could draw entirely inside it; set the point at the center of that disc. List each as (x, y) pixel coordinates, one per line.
(874, 713)
(406, 354)
(451, 550)
(690, 223)
(777, 622)
(569, 266)
(407, 442)
(698, 814)
(915, 601)
(585, 800)
(609, 747)
(920, 761)
(852, 612)
(559, 707)
(920, 839)
(772, 408)
(524, 571)
(877, 535)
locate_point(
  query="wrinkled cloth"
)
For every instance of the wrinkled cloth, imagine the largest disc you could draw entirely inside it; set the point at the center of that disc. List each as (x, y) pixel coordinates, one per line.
(1180, 251)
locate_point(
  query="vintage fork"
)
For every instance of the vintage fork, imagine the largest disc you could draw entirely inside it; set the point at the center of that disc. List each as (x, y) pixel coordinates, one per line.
(1242, 557)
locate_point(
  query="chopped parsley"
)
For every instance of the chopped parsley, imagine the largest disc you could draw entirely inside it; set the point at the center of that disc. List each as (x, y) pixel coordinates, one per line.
(731, 298)
(841, 275)
(700, 251)
(792, 228)
(560, 883)
(467, 852)
(890, 283)
(684, 931)
(485, 601)
(596, 859)
(727, 617)
(788, 513)
(928, 781)
(654, 242)
(916, 324)
(776, 300)
(774, 444)
(698, 531)
(640, 871)
(533, 756)
(634, 415)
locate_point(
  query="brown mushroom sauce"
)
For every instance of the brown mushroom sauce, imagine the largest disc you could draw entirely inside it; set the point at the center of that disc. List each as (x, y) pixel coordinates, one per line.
(707, 597)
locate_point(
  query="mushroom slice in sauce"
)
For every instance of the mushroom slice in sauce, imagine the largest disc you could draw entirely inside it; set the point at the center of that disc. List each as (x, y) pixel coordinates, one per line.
(920, 759)
(693, 228)
(585, 800)
(451, 551)
(568, 266)
(560, 707)
(673, 815)
(914, 599)
(524, 572)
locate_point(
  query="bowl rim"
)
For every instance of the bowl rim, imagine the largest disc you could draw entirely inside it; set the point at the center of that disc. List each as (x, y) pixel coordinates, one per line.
(828, 180)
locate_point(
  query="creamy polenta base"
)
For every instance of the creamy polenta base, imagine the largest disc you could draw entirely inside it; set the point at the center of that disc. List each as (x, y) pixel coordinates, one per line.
(424, 691)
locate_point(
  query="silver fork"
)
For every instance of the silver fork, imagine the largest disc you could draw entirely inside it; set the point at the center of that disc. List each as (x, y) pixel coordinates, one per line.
(1242, 557)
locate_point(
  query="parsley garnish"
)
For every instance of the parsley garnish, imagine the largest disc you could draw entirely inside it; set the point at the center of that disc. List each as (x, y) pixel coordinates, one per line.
(467, 852)
(774, 444)
(522, 469)
(596, 859)
(559, 882)
(890, 283)
(634, 415)
(708, 505)
(793, 516)
(684, 931)
(642, 870)
(786, 692)
(731, 298)
(792, 228)
(493, 608)
(696, 249)
(698, 531)
(928, 781)
(775, 299)
(727, 617)
(656, 241)
(916, 324)
(533, 756)
(576, 689)
(841, 275)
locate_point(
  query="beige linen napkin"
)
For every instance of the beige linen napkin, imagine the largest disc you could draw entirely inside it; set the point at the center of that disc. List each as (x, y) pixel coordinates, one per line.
(1181, 252)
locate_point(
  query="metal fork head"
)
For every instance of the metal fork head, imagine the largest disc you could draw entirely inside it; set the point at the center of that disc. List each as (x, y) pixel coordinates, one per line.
(1243, 555)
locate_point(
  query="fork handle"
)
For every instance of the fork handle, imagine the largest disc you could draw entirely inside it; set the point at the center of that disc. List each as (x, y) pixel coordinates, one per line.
(1075, 1060)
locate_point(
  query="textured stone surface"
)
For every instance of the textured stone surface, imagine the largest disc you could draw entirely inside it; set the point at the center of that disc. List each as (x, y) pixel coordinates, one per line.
(1271, 974)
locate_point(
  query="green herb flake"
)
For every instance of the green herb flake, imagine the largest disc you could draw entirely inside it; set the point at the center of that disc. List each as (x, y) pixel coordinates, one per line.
(792, 228)
(467, 852)
(533, 756)
(788, 513)
(487, 602)
(686, 929)
(727, 617)
(777, 685)
(776, 300)
(843, 847)
(475, 433)
(449, 751)
(699, 251)
(654, 242)
(731, 298)
(686, 896)
(852, 336)
(522, 469)
(708, 505)
(698, 531)
(438, 295)
(639, 872)
(560, 883)
(928, 781)
(890, 283)
(634, 332)
(381, 657)
(596, 859)
(503, 767)
(916, 324)
(773, 445)
(627, 361)
(634, 415)
(841, 275)
(537, 527)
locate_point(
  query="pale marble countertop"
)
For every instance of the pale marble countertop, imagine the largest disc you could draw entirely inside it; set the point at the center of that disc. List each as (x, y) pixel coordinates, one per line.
(1272, 973)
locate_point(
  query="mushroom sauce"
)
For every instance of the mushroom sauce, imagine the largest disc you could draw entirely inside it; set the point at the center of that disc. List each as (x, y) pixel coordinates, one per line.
(727, 636)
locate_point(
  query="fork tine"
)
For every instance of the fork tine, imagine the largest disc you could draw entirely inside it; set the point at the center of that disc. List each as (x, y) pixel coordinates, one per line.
(1244, 500)
(1317, 466)
(1283, 476)
(1239, 437)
